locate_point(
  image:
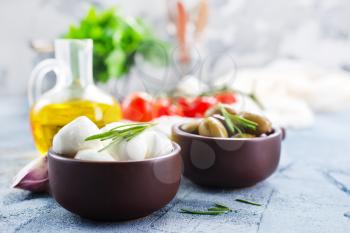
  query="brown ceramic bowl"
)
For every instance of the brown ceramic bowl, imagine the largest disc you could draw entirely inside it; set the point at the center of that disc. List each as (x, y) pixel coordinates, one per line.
(114, 190)
(227, 162)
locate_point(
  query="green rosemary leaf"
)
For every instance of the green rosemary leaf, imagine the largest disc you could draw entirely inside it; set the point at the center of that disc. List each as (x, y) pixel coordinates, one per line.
(246, 123)
(187, 211)
(243, 123)
(216, 210)
(248, 202)
(219, 209)
(131, 125)
(118, 130)
(99, 136)
(228, 120)
(236, 123)
(119, 133)
(217, 205)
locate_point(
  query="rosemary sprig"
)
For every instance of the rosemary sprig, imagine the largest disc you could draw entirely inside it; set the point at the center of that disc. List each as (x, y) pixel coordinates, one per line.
(237, 123)
(186, 211)
(217, 209)
(228, 121)
(122, 132)
(248, 202)
(242, 122)
(221, 206)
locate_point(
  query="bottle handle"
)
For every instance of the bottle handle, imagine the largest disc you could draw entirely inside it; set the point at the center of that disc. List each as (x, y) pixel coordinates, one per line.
(39, 73)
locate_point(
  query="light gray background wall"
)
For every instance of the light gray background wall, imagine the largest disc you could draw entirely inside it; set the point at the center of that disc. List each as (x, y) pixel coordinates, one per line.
(255, 31)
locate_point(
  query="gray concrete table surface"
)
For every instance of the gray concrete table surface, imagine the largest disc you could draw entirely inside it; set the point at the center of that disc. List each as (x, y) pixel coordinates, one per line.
(310, 192)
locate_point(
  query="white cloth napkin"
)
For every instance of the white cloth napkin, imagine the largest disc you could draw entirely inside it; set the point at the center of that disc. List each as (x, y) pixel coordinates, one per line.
(293, 91)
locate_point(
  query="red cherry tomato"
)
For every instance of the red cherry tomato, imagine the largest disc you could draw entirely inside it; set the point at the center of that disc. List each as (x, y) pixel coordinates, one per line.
(161, 107)
(187, 107)
(138, 106)
(226, 97)
(167, 107)
(175, 109)
(202, 103)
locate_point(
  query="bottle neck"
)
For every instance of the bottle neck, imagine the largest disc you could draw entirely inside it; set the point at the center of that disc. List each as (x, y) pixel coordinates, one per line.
(76, 56)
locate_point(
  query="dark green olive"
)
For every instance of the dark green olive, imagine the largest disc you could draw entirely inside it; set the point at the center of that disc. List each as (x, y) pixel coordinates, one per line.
(212, 127)
(264, 125)
(191, 127)
(222, 120)
(216, 109)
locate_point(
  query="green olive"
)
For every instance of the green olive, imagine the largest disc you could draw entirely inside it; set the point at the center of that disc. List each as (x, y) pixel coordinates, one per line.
(191, 127)
(264, 125)
(244, 135)
(212, 127)
(223, 122)
(216, 109)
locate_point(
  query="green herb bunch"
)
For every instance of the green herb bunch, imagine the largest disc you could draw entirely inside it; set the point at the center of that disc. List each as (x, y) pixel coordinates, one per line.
(117, 40)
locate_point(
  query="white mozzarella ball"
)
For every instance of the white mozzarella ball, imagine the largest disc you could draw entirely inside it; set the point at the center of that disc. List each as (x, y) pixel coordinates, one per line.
(117, 150)
(71, 138)
(147, 144)
(93, 155)
(161, 145)
(138, 147)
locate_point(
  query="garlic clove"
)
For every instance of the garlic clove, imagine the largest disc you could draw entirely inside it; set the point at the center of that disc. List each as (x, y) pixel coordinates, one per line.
(33, 177)
(71, 138)
(93, 155)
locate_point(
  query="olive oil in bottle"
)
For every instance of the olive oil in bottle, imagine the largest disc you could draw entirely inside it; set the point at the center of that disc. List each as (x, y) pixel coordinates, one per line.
(46, 122)
(74, 94)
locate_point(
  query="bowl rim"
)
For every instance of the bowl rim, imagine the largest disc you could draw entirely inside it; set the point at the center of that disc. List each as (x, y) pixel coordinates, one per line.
(57, 156)
(277, 131)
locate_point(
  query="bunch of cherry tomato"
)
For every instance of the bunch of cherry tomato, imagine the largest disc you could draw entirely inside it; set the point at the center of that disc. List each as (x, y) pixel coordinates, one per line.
(140, 106)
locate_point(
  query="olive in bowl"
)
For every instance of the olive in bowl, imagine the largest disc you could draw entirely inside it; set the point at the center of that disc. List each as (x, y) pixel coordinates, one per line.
(237, 160)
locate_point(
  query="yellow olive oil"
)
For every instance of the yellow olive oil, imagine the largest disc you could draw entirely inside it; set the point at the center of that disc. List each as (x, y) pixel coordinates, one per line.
(46, 121)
